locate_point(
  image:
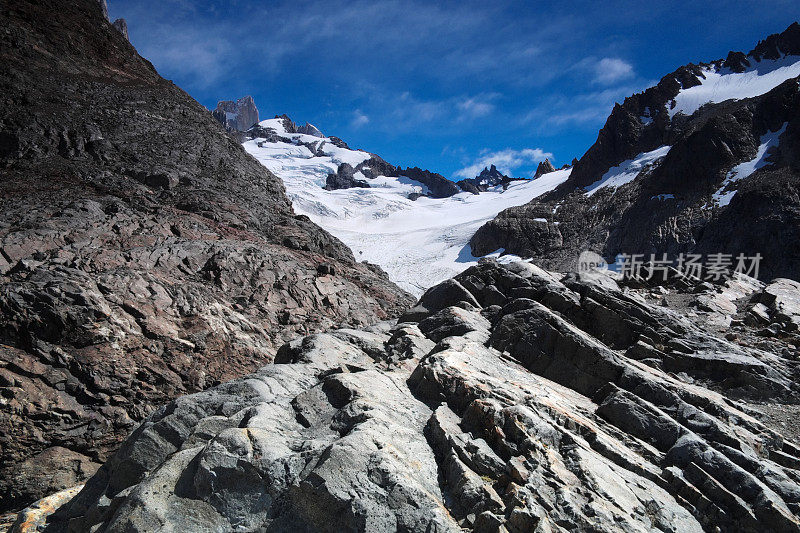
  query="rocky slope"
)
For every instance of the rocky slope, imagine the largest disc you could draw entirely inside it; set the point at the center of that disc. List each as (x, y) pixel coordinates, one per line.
(706, 161)
(143, 253)
(508, 399)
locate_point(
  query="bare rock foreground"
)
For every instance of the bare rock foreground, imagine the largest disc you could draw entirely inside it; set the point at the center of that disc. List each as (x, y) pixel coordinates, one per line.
(508, 399)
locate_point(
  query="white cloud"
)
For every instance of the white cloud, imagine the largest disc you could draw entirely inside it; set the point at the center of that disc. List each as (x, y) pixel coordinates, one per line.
(359, 119)
(411, 110)
(505, 160)
(476, 106)
(611, 70)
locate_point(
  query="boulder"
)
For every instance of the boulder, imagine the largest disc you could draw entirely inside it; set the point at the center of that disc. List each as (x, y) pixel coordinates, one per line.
(782, 297)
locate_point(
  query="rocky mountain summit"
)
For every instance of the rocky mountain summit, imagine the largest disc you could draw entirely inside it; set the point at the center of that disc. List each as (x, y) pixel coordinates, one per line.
(706, 161)
(143, 253)
(489, 177)
(508, 399)
(240, 115)
(543, 168)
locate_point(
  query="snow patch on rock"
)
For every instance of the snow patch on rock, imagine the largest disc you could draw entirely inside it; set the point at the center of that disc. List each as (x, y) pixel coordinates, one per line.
(627, 171)
(741, 171)
(723, 84)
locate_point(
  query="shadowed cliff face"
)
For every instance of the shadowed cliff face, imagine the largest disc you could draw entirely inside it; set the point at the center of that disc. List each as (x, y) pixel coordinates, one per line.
(672, 206)
(143, 254)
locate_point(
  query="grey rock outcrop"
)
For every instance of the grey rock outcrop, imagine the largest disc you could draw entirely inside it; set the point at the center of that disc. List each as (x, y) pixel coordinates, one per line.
(240, 115)
(310, 129)
(143, 254)
(438, 186)
(511, 399)
(344, 178)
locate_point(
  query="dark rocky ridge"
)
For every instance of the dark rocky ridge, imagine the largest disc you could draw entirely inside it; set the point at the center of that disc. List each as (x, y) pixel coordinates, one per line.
(763, 217)
(625, 135)
(143, 253)
(509, 399)
(438, 186)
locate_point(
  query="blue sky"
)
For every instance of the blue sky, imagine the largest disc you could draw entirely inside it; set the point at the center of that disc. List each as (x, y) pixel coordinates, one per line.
(448, 86)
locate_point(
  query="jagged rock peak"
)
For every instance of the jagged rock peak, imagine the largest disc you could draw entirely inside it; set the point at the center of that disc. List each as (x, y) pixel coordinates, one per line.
(544, 167)
(288, 124)
(310, 129)
(239, 115)
(778, 45)
(491, 176)
(488, 178)
(121, 26)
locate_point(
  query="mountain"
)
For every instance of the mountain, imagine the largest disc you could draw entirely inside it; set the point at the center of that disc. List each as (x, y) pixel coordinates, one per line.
(705, 162)
(145, 256)
(488, 178)
(509, 399)
(240, 115)
(143, 253)
(414, 223)
(544, 167)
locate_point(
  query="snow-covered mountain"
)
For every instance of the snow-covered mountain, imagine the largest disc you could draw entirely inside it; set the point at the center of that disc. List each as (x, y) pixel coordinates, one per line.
(722, 80)
(705, 161)
(417, 239)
